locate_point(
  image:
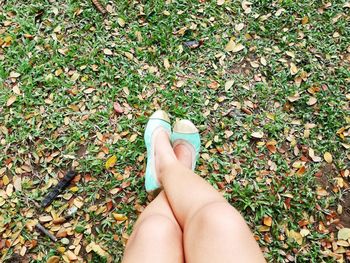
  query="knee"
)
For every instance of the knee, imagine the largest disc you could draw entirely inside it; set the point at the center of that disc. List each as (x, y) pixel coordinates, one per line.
(159, 227)
(219, 217)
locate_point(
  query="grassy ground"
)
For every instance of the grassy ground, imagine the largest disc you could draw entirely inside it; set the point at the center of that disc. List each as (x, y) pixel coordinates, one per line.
(268, 89)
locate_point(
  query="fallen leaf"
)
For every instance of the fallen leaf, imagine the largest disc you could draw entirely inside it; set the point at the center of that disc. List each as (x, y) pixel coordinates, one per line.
(304, 232)
(11, 100)
(233, 46)
(71, 256)
(344, 233)
(229, 84)
(246, 7)
(166, 63)
(75, 76)
(5, 180)
(258, 134)
(53, 259)
(89, 90)
(293, 69)
(239, 27)
(119, 217)
(133, 137)
(107, 51)
(296, 236)
(304, 20)
(45, 219)
(293, 98)
(16, 90)
(17, 183)
(98, 250)
(121, 22)
(311, 101)
(14, 74)
(267, 221)
(220, 2)
(313, 157)
(328, 157)
(111, 161)
(117, 108)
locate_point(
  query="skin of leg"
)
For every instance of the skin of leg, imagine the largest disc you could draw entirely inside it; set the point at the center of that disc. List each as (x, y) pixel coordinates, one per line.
(157, 237)
(213, 230)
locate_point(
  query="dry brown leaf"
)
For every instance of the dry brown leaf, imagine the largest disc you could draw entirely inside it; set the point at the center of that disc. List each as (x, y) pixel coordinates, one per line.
(17, 183)
(71, 256)
(328, 157)
(316, 159)
(133, 137)
(16, 90)
(89, 90)
(11, 100)
(166, 63)
(304, 20)
(111, 161)
(117, 108)
(293, 69)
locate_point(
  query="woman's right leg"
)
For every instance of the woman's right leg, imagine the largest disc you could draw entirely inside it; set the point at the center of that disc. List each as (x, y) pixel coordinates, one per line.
(213, 230)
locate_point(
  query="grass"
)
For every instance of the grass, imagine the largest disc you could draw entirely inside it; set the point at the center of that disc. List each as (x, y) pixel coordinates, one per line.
(67, 87)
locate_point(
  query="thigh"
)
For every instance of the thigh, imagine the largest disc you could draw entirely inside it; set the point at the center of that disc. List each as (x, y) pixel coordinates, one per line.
(218, 233)
(156, 237)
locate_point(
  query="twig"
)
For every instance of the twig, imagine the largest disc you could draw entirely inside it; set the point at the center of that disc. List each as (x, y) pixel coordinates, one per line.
(99, 7)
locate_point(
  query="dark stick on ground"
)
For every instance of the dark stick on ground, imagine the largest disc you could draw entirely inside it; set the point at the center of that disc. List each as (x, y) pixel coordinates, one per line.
(99, 7)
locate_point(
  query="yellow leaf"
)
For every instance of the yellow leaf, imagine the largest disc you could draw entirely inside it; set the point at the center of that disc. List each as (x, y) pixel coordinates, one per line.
(328, 157)
(11, 100)
(344, 234)
(5, 180)
(98, 250)
(119, 217)
(111, 161)
(53, 259)
(296, 236)
(233, 46)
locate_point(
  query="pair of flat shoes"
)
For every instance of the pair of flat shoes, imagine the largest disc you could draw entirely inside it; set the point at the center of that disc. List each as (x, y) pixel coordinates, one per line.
(184, 132)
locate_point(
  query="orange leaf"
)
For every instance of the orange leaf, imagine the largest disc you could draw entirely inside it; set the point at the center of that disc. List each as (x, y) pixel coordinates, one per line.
(267, 221)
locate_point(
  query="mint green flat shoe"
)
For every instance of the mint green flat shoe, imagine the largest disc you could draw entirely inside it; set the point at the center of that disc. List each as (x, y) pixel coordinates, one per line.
(159, 120)
(185, 132)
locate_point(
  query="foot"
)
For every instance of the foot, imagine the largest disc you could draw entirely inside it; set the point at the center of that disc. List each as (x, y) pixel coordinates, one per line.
(184, 154)
(164, 153)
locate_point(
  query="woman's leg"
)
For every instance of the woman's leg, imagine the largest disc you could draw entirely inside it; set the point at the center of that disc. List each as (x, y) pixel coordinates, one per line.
(157, 237)
(213, 230)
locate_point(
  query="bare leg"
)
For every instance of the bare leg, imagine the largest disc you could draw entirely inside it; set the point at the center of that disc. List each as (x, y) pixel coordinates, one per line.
(157, 236)
(213, 230)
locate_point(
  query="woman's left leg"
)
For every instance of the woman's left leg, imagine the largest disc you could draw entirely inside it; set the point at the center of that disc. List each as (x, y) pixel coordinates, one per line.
(157, 237)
